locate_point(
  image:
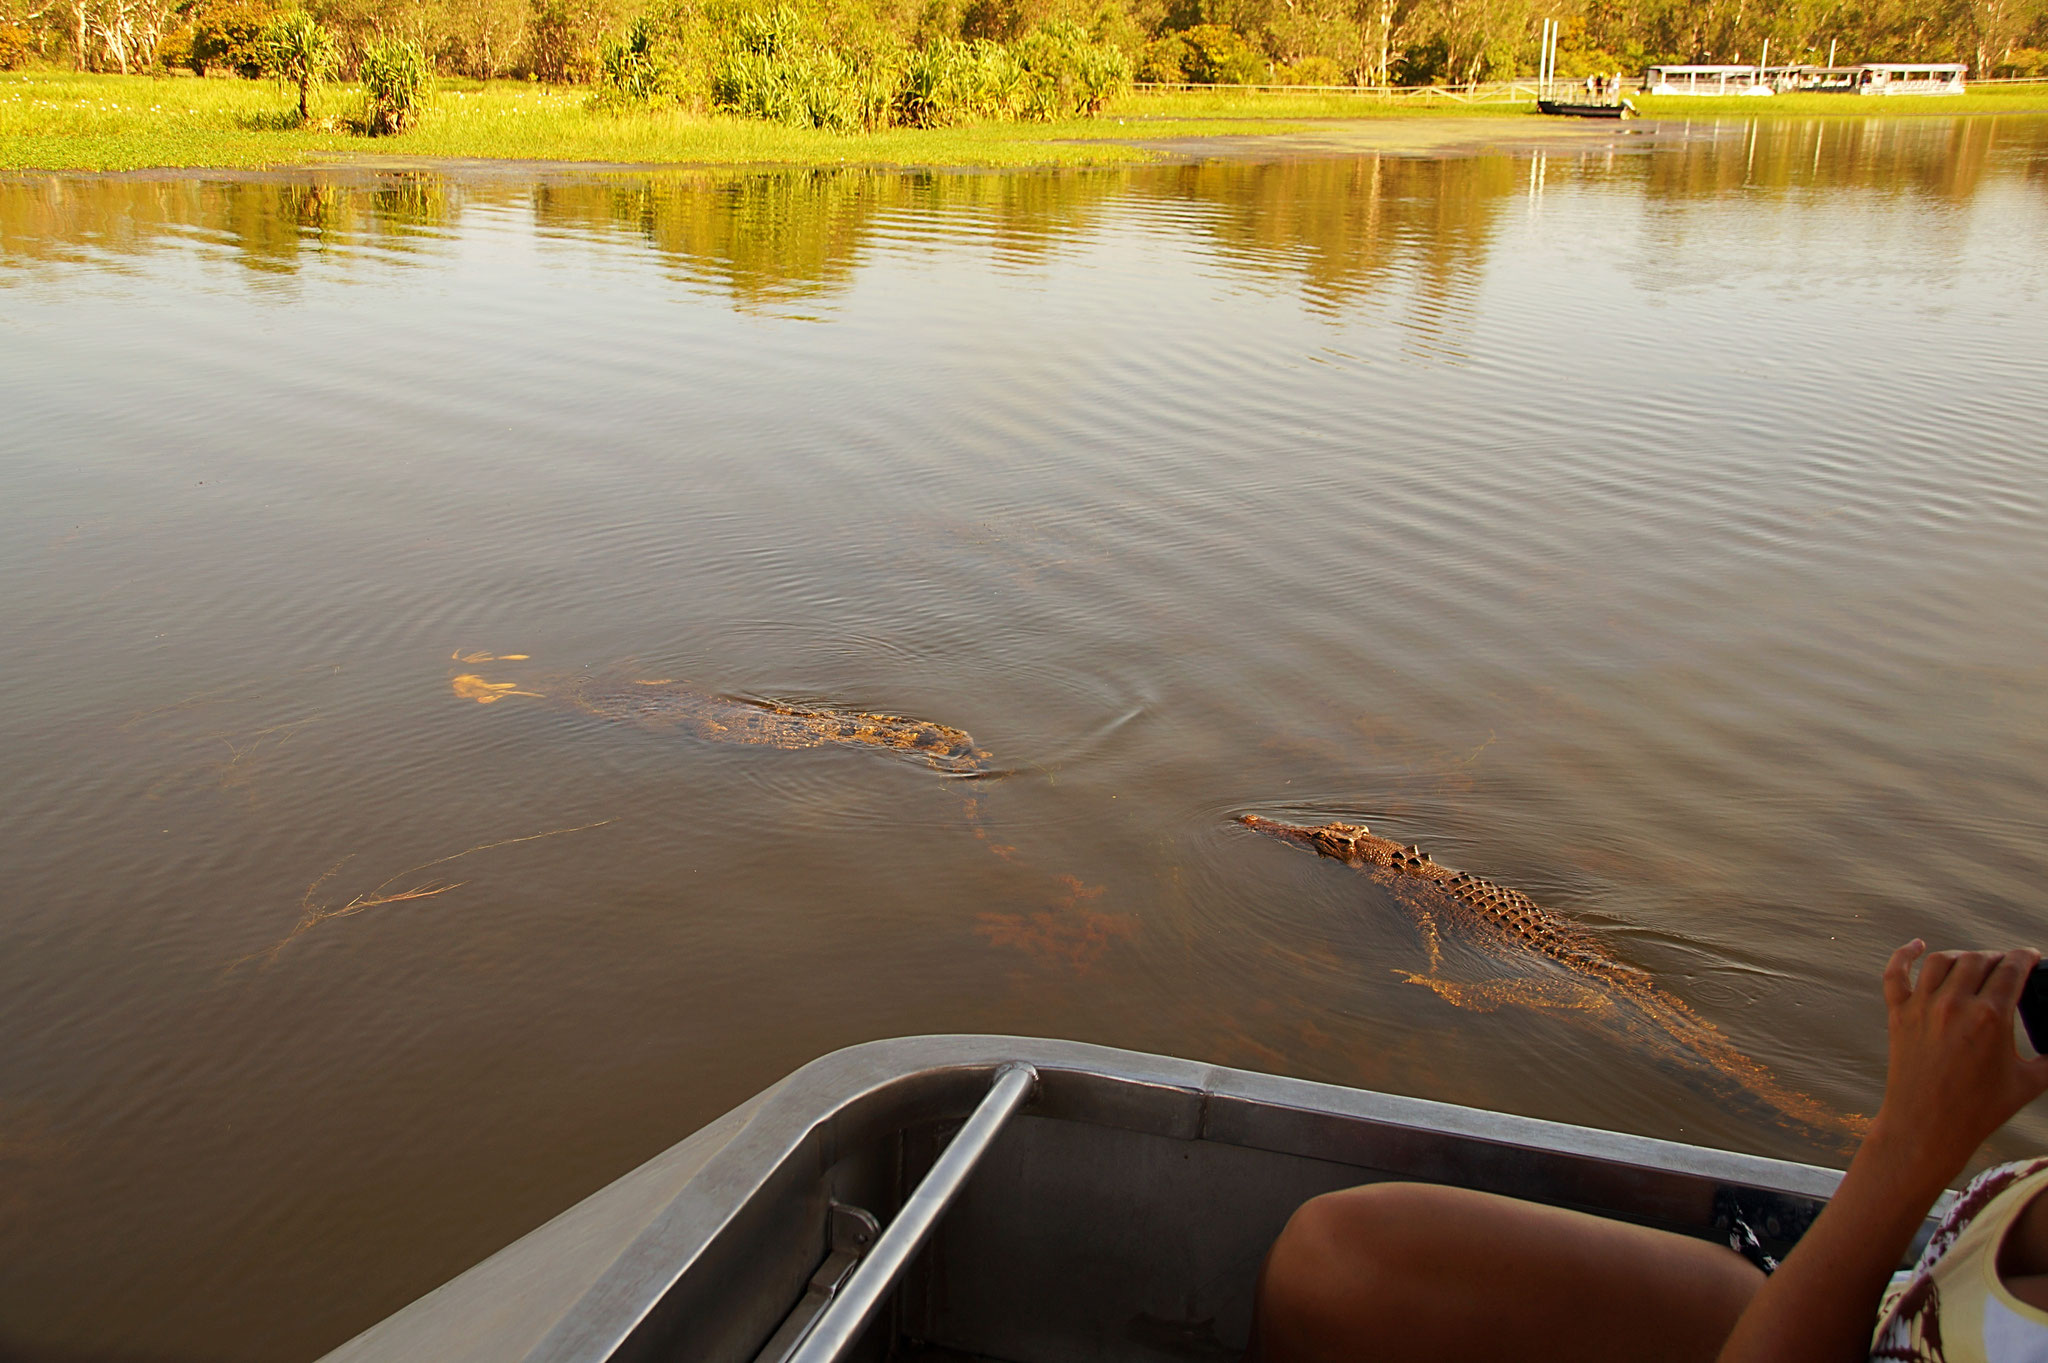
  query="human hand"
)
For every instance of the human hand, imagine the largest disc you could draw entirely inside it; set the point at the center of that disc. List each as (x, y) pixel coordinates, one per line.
(1955, 1075)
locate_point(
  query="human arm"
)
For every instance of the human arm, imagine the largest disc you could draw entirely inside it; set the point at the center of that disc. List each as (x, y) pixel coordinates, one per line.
(1953, 1079)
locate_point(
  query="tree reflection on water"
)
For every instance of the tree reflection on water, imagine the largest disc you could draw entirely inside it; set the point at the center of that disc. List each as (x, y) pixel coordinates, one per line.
(1332, 229)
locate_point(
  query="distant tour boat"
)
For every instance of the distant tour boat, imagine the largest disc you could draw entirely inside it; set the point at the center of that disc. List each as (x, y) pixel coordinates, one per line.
(1910, 78)
(1024, 1200)
(1867, 78)
(1706, 80)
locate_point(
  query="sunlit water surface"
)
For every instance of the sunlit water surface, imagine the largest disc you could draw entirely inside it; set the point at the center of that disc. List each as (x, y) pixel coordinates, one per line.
(1654, 524)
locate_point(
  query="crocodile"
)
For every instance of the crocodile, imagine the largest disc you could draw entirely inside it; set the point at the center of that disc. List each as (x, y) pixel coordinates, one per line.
(662, 703)
(1513, 928)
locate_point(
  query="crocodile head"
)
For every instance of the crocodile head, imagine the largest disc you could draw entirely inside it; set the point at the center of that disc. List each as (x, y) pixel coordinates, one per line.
(1351, 843)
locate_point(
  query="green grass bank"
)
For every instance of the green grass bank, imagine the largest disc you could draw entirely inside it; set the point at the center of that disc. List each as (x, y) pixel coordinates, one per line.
(62, 121)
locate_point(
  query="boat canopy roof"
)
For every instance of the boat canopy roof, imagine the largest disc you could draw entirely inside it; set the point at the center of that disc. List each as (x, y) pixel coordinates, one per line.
(1748, 68)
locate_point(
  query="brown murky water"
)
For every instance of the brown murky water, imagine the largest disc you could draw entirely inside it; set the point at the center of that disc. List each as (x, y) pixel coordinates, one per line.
(501, 667)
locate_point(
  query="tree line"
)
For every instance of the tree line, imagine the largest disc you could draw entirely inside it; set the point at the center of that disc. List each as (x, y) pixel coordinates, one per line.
(651, 46)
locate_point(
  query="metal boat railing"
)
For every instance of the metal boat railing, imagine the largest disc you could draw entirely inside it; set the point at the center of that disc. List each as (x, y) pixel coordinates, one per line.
(839, 1324)
(1016, 1198)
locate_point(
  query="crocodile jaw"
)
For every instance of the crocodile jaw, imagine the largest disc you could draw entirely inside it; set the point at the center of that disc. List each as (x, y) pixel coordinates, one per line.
(1351, 843)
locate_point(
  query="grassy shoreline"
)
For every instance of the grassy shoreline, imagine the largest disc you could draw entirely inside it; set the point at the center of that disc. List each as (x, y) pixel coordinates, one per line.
(59, 121)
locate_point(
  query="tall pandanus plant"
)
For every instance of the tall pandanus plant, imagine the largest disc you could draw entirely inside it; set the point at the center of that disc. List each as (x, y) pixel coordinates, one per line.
(396, 76)
(297, 50)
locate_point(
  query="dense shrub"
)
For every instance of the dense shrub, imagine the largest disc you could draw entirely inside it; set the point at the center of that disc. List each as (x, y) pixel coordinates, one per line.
(776, 64)
(809, 87)
(1217, 55)
(229, 34)
(397, 78)
(2024, 61)
(562, 42)
(1311, 71)
(950, 81)
(630, 68)
(1067, 73)
(17, 45)
(174, 53)
(1165, 59)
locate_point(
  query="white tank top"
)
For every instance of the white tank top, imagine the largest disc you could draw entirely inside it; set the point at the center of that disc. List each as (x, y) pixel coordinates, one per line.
(1952, 1308)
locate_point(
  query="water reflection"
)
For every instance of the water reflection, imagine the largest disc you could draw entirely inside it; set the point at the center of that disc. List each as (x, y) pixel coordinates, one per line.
(1332, 229)
(1946, 159)
(271, 227)
(776, 237)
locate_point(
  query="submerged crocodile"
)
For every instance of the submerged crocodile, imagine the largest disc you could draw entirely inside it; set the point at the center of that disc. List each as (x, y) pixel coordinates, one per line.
(661, 703)
(1513, 928)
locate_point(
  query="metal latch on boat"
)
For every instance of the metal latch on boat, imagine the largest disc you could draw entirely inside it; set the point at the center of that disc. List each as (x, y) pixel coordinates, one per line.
(853, 1233)
(862, 1265)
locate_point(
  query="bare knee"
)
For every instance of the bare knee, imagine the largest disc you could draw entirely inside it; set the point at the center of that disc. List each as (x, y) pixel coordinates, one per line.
(1337, 1267)
(1375, 1221)
(1418, 1271)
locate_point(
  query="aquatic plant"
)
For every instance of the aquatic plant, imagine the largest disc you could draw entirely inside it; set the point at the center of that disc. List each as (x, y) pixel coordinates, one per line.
(396, 77)
(297, 51)
(312, 912)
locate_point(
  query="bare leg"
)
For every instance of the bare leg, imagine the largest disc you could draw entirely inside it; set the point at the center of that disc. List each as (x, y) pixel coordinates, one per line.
(1393, 1272)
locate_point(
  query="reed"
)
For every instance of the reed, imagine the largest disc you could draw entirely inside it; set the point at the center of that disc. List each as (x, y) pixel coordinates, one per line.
(630, 68)
(952, 82)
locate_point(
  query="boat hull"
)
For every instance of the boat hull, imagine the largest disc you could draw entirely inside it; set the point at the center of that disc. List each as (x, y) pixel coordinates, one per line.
(1566, 109)
(1121, 1215)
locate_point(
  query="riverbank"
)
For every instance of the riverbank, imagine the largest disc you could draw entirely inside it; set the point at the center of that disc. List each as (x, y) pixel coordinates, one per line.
(63, 121)
(71, 122)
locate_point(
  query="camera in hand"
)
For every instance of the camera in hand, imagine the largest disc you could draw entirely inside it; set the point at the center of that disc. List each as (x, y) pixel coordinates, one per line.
(2034, 1008)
